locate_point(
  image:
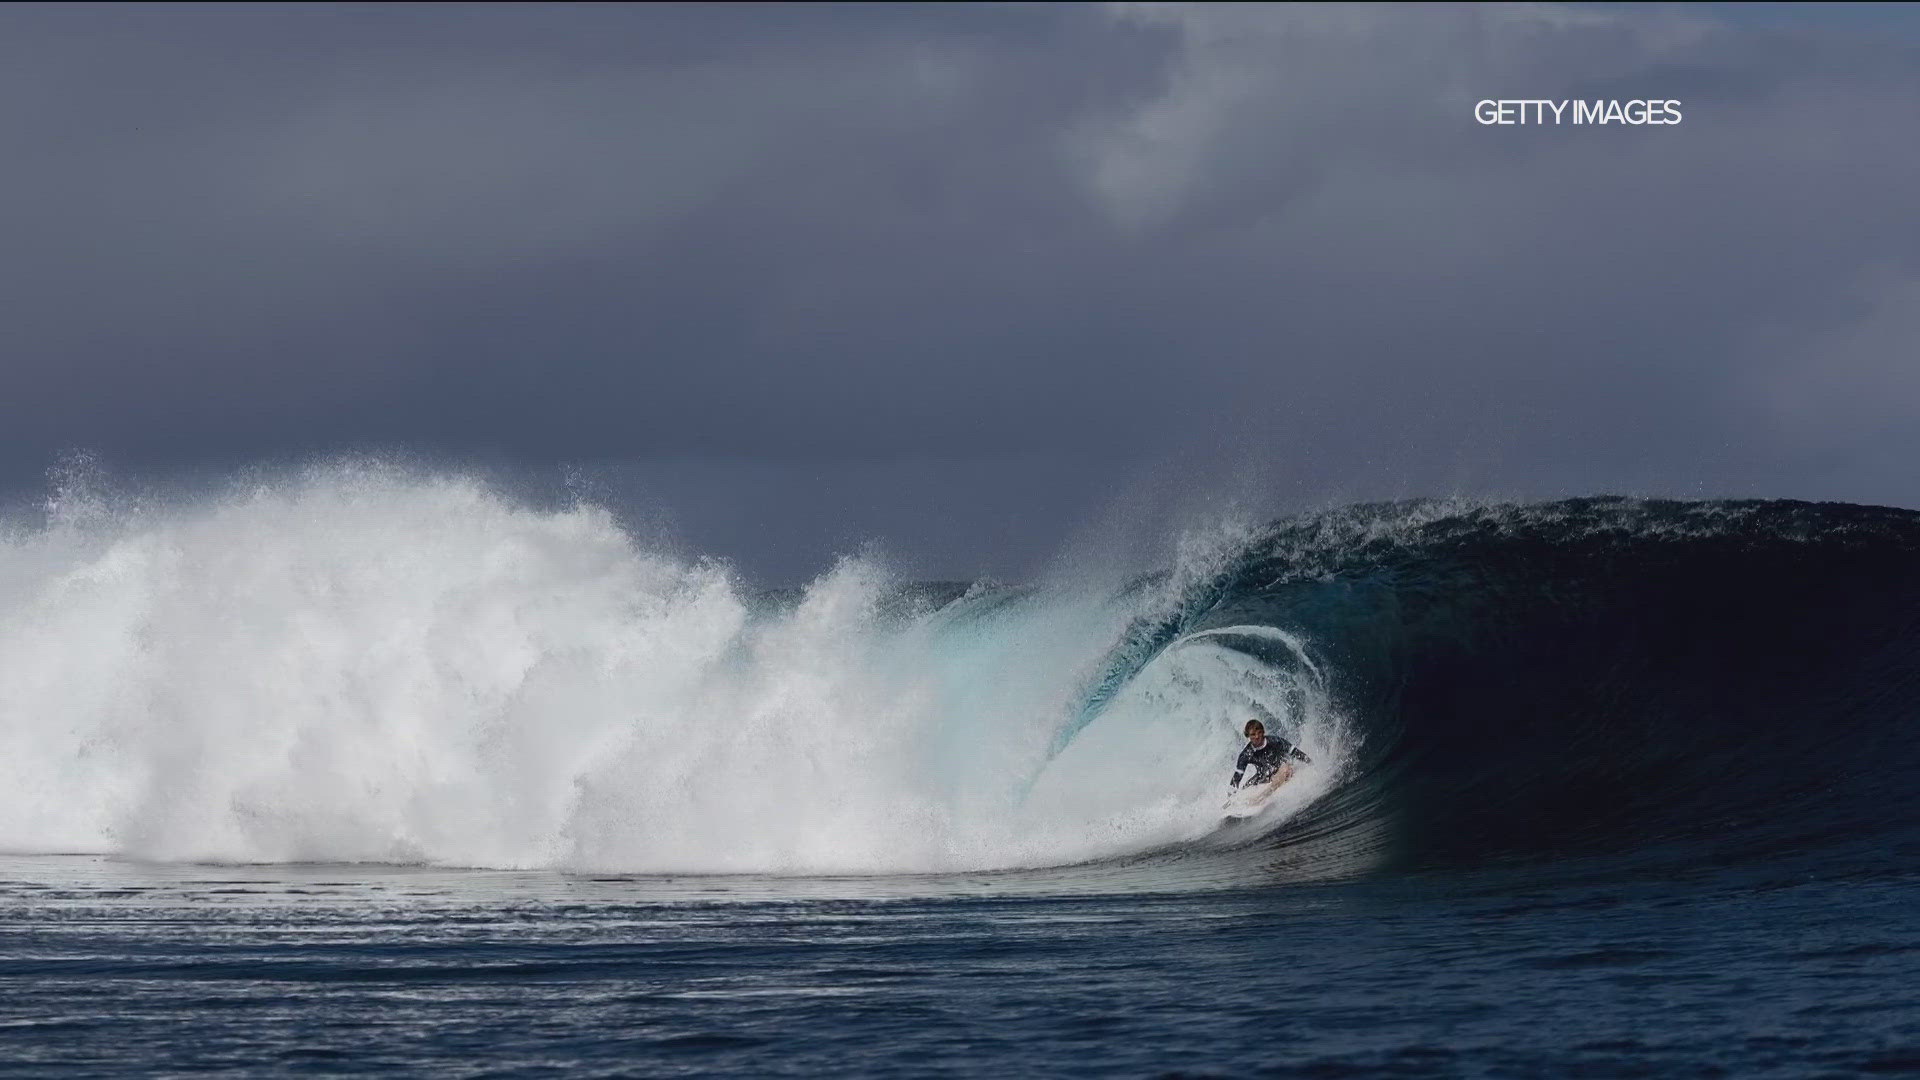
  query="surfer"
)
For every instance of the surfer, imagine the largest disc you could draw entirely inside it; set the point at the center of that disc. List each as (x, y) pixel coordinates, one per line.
(1269, 756)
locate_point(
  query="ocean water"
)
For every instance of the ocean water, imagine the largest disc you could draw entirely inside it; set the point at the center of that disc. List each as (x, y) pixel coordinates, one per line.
(260, 970)
(369, 770)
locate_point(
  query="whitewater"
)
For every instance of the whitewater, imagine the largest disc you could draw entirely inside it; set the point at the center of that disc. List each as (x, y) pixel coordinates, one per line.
(365, 663)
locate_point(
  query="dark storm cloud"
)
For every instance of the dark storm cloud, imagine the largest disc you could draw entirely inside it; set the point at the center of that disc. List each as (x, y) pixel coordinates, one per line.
(791, 243)
(551, 244)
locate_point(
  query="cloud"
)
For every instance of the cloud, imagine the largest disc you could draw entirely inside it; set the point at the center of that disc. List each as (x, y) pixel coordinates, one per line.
(1241, 237)
(1567, 294)
(1271, 98)
(1857, 382)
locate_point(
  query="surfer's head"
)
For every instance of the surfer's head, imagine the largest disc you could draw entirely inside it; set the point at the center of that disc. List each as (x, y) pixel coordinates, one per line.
(1255, 730)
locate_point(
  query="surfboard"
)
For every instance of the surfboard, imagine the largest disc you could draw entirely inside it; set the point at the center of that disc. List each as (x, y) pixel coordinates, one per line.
(1248, 801)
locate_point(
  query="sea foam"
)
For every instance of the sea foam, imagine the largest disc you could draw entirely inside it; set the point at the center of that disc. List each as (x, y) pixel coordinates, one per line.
(365, 663)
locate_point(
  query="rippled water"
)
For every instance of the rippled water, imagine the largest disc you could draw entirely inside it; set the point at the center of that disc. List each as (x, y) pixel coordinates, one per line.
(116, 967)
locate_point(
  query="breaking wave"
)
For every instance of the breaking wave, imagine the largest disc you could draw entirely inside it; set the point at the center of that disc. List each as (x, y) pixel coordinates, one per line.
(372, 664)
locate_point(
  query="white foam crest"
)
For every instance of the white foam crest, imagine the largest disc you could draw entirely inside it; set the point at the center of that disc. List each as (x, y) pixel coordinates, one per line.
(365, 664)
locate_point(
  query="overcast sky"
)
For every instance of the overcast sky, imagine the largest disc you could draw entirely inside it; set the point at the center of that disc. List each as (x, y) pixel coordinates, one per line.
(972, 281)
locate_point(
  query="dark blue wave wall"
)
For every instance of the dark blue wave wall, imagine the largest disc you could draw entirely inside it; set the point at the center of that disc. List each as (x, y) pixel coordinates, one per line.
(1720, 681)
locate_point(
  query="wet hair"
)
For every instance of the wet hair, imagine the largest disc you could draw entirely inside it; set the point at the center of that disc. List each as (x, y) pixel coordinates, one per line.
(1252, 727)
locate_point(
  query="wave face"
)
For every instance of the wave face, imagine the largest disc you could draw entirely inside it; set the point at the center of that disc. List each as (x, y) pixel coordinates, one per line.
(1710, 681)
(367, 664)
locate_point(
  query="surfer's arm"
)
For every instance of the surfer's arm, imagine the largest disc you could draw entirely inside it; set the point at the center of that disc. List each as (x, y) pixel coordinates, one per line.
(1239, 770)
(1294, 752)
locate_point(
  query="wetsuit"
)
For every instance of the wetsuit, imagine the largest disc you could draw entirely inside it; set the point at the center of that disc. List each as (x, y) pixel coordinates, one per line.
(1266, 760)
